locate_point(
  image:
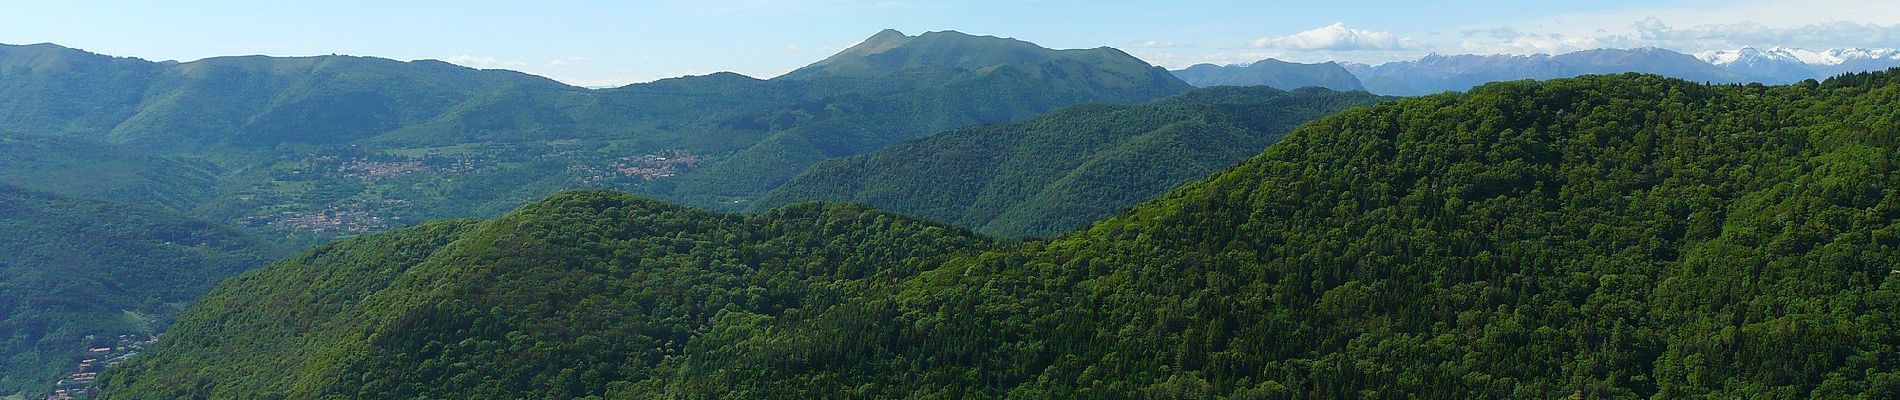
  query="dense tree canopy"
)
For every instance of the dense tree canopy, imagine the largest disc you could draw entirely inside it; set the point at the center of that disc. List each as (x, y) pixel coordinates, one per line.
(580, 294)
(75, 273)
(1068, 168)
(1599, 237)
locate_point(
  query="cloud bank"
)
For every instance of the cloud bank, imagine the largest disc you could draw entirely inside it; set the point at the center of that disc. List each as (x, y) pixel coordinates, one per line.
(1337, 37)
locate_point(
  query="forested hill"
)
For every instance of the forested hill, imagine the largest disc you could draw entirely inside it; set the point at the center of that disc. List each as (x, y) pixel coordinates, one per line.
(1069, 168)
(892, 88)
(372, 144)
(75, 274)
(1624, 236)
(584, 293)
(303, 150)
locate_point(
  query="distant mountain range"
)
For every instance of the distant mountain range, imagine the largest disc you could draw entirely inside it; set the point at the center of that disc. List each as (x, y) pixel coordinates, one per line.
(301, 150)
(1272, 73)
(213, 133)
(1436, 73)
(1784, 64)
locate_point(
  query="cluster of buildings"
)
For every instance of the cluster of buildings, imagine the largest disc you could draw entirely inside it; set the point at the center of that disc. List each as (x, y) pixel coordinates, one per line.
(645, 167)
(650, 166)
(359, 217)
(78, 383)
(377, 170)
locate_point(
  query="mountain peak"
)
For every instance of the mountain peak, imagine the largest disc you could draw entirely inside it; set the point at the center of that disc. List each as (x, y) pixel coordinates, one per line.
(887, 34)
(891, 51)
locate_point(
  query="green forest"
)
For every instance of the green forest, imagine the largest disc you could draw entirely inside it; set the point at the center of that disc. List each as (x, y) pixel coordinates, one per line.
(1068, 168)
(76, 273)
(273, 142)
(1611, 236)
(300, 151)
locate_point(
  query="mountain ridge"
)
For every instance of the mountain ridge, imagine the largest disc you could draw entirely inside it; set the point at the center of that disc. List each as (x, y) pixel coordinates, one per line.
(1272, 73)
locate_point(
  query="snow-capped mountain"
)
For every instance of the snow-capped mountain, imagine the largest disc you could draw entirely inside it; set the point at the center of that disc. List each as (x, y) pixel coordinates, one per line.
(1788, 64)
(1435, 73)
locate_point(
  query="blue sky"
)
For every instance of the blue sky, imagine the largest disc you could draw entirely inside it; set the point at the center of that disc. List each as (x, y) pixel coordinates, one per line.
(616, 42)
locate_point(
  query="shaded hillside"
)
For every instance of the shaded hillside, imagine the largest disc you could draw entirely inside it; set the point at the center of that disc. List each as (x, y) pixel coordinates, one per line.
(906, 87)
(361, 144)
(1272, 73)
(1064, 170)
(1624, 236)
(76, 273)
(606, 288)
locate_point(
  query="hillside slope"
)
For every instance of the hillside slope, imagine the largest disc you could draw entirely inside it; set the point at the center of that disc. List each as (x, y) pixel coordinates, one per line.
(578, 294)
(906, 87)
(1066, 169)
(1624, 236)
(1605, 237)
(76, 273)
(366, 144)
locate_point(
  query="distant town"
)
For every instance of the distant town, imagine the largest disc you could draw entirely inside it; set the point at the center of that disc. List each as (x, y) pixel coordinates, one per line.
(78, 383)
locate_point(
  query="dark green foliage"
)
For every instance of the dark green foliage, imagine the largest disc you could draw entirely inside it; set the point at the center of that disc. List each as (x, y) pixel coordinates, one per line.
(1601, 237)
(584, 293)
(1063, 170)
(76, 273)
(1624, 236)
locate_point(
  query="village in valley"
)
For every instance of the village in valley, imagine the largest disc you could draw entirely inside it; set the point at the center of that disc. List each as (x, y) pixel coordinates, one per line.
(353, 190)
(78, 383)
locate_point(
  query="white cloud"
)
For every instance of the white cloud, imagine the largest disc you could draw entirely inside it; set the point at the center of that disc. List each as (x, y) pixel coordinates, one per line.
(1337, 37)
(1697, 26)
(1689, 26)
(1653, 31)
(1822, 35)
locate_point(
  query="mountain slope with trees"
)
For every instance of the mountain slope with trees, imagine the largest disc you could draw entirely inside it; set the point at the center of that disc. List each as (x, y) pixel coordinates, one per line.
(1625, 236)
(1066, 169)
(389, 143)
(303, 150)
(77, 273)
(607, 287)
